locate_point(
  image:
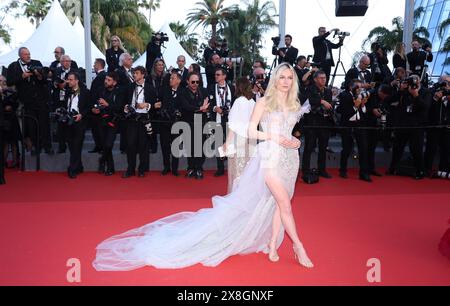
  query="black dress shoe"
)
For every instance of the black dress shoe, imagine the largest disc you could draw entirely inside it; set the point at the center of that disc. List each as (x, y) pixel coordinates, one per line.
(101, 167)
(49, 151)
(199, 175)
(128, 174)
(391, 171)
(141, 174)
(2, 181)
(343, 174)
(175, 173)
(325, 174)
(95, 150)
(420, 175)
(219, 173)
(365, 178)
(109, 172)
(374, 173)
(190, 174)
(165, 172)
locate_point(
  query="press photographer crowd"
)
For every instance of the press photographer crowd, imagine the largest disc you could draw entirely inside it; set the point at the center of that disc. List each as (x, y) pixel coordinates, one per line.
(375, 105)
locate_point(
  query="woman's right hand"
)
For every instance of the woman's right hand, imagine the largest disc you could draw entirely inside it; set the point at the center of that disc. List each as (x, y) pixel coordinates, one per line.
(292, 143)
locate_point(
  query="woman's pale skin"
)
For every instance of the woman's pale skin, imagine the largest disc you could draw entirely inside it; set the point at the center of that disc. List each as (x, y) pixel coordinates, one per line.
(283, 214)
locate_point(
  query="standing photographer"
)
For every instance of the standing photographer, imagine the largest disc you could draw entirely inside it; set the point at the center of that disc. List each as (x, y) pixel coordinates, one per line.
(154, 49)
(412, 112)
(136, 110)
(323, 53)
(321, 115)
(221, 99)
(361, 73)
(381, 74)
(76, 104)
(217, 62)
(417, 58)
(109, 106)
(11, 127)
(30, 79)
(286, 54)
(353, 109)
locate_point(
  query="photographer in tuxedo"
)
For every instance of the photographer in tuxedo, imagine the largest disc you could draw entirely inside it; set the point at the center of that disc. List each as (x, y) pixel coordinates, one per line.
(30, 79)
(221, 99)
(286, 54)
(323, 50)
(322, 112)
(170, 112)
(126, 78)
(417, 58)
(59, 89)
(59, 52)
(108, 106)
(195, 104)
(353, 109)
(361, 73)
(76, 104)
(96, 87)
(138, 123)
(217, 62)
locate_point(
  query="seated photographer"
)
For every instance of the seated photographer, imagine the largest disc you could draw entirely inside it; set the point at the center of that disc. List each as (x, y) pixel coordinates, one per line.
(59, 89)
(221, 99)
(417, 58)
(108, 106)
(11, 128)
(353, 109)
(259, 83)
(286, 54)
(218, 62)
(72, 114)
(154, 49)
(170, 113)
(30, 79)
(321, 115)
(323, 50)
(438, 140)
(412, 111)
(361, 73)
(139, 127)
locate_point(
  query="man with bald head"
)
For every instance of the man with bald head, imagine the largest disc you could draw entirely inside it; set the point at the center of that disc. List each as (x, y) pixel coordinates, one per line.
(361, 73)
(31, 84)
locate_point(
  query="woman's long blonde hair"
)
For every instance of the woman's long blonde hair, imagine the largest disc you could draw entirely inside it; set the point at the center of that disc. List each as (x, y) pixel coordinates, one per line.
(271, 97)
(120, 43)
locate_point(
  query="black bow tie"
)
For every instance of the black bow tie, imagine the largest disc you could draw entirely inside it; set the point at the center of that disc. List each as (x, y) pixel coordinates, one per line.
(223, 88)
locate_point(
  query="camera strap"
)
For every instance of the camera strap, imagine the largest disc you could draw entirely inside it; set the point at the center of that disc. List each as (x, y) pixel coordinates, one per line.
(137, 93)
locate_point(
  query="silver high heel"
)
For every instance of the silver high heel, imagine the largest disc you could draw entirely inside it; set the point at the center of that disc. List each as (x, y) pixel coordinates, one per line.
(302, 258)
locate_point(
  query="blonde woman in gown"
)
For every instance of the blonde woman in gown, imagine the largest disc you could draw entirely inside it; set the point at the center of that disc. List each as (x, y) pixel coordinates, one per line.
(251, 219)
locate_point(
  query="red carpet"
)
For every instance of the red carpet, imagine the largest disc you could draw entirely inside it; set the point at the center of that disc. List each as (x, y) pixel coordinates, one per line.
(47, 219)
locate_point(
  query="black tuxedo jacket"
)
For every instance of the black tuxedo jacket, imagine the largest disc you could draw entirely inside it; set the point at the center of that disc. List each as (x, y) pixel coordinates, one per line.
(321, 44)
(55, 89)
(54, 65)
(98, 84)
(112, 58)
(347, 110)
(290, 57)
(212, 91)
(190, 103)
(84, 101)
(353, 74)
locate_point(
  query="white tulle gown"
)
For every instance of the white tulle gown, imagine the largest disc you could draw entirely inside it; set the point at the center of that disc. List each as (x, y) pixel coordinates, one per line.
(239, 223)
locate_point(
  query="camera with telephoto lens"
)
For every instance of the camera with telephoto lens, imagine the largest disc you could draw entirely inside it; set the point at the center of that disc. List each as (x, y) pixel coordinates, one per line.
(342, 34)
(63, 116)
(382, 121)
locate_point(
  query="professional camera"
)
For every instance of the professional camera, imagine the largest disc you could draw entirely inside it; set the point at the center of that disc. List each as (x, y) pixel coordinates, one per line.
(160, 37)
(276, 40)
(226, 108)
(175, 116)
(63, 116)
(132, 113)
(382, 121)
(313, 64)
(413, 82)
(341, 34)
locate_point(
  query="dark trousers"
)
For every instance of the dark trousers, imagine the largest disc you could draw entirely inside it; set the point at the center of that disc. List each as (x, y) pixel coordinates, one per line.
(347, 147)
(95, 123)
(415, 138)
(438, 140)
(123, 125)
(2, 161)
(325, 67)
(167, 139)
(312, 138)
(108, 136)
(137, 143)
(43, 125)
(196, 162)
(75, 138)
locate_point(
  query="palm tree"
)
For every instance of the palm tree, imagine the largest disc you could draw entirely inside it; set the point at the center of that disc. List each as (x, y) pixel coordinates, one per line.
(5, 11)
(151, 5)
(210, 13)
(36, 10)
(446, 47)
(188, 41)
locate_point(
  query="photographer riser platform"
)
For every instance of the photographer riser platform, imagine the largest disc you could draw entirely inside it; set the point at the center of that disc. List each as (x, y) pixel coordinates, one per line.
(59, 162)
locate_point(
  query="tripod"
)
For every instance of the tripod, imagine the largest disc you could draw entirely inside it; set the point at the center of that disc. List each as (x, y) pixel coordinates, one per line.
(274, 64)
(339, 62)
